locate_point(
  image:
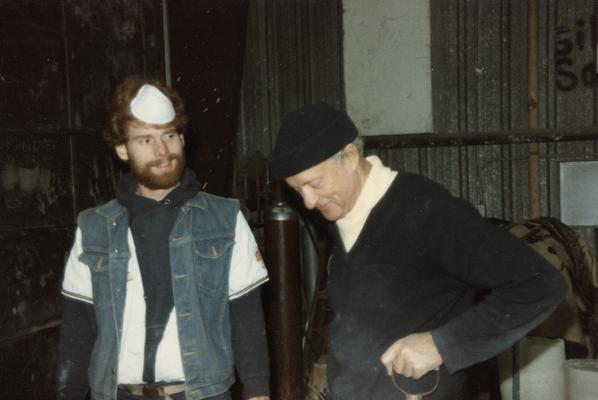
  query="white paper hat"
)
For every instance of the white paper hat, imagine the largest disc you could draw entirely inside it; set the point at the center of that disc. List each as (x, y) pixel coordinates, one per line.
(152, 106)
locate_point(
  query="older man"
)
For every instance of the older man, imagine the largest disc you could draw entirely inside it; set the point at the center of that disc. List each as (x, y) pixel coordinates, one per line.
(406, 262)
(161, 294)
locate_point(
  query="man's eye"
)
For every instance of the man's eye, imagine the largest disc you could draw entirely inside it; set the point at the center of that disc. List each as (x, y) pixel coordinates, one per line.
(145, 140)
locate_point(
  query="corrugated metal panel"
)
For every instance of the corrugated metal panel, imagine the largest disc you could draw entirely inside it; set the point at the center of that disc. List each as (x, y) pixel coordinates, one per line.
(486, 54)
(292, 57)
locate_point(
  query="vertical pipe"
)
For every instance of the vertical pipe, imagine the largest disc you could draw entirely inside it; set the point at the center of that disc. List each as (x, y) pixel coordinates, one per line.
(69, 109)
(310, 262)
(166, 34)
(532, 93)
(283, 302)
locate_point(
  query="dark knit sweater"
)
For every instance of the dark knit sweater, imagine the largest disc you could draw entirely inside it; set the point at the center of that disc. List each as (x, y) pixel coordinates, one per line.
(415, 267)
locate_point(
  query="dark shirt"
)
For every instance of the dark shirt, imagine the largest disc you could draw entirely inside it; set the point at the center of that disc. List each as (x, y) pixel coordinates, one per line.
(150, 222)
(415, 267)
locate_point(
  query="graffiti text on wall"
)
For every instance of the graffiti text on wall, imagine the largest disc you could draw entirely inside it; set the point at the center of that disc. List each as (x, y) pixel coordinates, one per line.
(570, 41)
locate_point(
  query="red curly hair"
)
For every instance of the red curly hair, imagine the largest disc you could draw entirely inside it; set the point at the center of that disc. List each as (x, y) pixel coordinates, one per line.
(120, 116)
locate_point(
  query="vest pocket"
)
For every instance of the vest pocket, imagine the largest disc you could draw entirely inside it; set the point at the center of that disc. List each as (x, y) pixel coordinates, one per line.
(212, 257)
(99, 266)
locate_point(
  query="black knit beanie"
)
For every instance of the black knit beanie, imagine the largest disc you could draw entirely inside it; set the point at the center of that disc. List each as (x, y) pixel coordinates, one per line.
(309, 136)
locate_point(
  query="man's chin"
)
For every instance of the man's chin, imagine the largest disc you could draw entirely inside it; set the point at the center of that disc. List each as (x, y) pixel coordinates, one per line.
(330, 215)
(160, 178)
(160, 181)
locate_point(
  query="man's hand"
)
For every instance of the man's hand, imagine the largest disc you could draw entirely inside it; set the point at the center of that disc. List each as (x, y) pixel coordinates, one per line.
(412, 356)
(259, 398)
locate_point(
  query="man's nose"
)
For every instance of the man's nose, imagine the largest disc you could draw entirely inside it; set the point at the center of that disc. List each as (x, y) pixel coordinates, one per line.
(161, 148)
(310, 199)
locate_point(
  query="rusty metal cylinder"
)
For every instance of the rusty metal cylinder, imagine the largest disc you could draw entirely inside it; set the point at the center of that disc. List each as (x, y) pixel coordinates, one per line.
(282, 302)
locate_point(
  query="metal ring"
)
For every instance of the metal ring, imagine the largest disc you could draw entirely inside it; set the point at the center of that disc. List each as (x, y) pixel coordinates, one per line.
(400, 389)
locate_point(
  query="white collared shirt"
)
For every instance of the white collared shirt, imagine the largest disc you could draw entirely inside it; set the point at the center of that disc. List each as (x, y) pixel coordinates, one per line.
(376, 185)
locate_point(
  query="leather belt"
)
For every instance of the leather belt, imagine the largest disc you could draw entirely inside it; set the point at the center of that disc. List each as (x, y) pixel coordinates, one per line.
(154, 392)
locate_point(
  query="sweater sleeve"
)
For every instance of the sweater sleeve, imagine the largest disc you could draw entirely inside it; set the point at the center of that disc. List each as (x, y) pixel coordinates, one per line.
(249, 343)
(77, 336)
(524, 289)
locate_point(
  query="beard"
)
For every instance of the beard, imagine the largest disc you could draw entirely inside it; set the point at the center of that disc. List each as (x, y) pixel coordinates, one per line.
(145, 176)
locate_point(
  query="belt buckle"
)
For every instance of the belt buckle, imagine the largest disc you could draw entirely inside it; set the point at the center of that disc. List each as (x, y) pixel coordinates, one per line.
(151, 392)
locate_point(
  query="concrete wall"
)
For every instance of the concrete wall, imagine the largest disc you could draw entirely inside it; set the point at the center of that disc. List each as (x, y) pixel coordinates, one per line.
(386, 59)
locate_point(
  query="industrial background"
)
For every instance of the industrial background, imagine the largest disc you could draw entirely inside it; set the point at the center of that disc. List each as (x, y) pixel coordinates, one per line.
(513, 97)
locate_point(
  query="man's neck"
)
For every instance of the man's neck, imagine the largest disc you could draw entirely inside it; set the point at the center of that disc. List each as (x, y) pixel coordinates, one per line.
(157, 194)
(364, 169)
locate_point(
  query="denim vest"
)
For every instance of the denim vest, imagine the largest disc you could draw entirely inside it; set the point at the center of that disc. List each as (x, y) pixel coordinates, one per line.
(200, 243)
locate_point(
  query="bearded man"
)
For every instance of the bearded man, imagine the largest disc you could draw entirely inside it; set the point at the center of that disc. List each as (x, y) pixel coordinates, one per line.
(161, 288)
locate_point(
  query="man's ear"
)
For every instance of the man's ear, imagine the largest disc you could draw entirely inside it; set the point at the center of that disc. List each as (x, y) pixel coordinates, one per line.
(352, 155)
(182, 139)
(122, 152)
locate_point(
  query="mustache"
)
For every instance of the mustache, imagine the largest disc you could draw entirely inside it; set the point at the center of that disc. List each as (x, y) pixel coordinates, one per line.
(170, 157)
